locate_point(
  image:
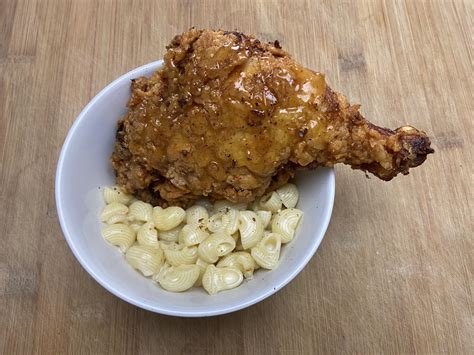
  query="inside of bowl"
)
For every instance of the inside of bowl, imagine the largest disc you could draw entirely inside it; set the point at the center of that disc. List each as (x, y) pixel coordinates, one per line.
(85, 168)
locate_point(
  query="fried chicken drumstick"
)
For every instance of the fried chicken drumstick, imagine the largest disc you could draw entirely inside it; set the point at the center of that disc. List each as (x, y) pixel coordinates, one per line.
(230, 117)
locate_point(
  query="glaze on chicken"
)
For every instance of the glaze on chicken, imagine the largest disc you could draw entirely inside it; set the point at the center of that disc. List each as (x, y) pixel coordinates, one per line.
(230, 117)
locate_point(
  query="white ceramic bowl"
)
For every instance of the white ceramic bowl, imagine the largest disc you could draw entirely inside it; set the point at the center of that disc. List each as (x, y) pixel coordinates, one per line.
(84, 165)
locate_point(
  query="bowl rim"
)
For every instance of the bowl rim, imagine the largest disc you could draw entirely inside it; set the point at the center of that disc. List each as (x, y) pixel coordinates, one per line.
(104, 283)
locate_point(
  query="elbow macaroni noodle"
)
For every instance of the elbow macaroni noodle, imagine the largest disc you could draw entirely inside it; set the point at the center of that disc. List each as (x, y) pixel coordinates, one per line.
(213, 246)
(192, 235)
(115, 194)
(178, 278)
(144, 258)
(148, 235)
(223, 205)
(114, 212)
(226, 221)
(119, 235)
(240, 260)
(285, 223)
(140, 212)
(267, 252)
(168, 218)
(266, 217)
(185, 256)
(289, 195)
(171, 235)
(220, 279)
(250, 228)
(270, 202)
(197, 215)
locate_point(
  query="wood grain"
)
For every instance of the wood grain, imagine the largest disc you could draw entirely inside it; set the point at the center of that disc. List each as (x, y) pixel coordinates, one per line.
(395, 270)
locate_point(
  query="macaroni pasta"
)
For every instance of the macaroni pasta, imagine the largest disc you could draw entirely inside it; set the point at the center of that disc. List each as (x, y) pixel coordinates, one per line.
(213, 246)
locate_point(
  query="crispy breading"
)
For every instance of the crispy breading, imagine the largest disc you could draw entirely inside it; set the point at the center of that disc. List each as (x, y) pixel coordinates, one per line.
(231, 117)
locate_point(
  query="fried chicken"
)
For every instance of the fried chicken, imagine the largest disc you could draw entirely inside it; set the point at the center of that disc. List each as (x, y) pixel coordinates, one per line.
(230, 117)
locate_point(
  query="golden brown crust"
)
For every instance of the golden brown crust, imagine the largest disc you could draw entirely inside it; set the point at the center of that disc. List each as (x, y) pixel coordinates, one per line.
(231, 117)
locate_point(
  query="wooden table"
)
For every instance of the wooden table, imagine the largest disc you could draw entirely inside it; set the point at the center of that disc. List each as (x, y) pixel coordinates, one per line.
(395, 270)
